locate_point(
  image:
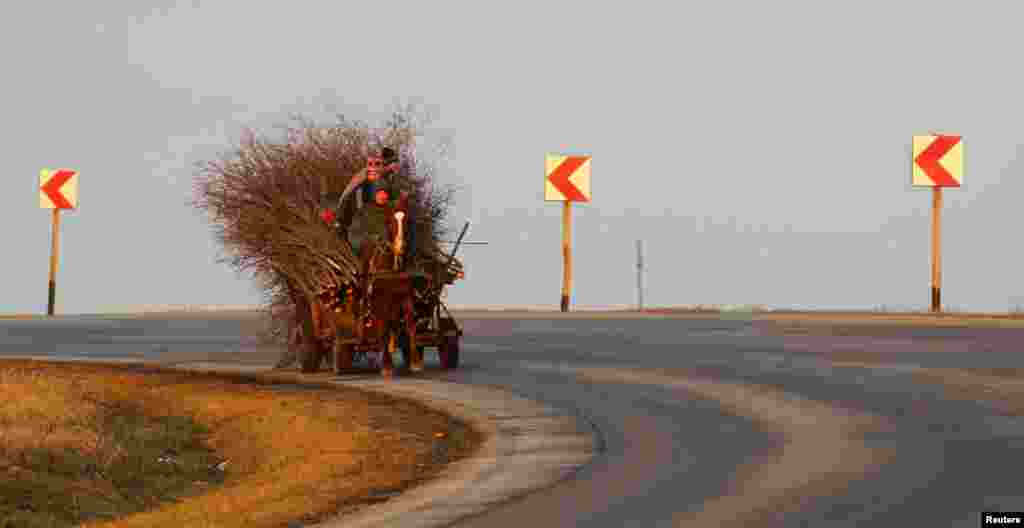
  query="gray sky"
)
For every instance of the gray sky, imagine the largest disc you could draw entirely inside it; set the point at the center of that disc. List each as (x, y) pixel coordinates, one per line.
(760, 149)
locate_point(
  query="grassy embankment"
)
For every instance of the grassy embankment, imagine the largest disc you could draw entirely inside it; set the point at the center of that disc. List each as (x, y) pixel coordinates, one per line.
(115, 446)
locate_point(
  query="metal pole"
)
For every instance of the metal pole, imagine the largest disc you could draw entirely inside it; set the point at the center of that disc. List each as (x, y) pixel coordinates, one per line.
(640, 275)
(52, 297)
(936, 249)
(459, 241)
(566, 254)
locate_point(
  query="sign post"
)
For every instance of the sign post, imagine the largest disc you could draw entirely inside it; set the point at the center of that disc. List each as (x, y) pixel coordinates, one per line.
(57, 190)
(639, 275)
(566, 254)
(936, 249)
(937, 163)
(566, 180)
(52, 296)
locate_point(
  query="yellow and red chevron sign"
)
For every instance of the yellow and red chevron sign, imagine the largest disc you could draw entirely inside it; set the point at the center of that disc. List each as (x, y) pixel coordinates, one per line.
(566, 178)
(58, 189)
(938, 161)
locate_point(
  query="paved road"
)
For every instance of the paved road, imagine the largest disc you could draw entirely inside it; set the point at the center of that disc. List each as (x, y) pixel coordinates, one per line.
(699, 422)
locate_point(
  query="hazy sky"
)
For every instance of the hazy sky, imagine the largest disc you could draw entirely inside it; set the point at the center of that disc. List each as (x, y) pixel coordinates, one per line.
(760, 149)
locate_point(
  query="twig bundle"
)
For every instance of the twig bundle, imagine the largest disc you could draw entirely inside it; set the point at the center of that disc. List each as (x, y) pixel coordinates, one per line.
(264, 200)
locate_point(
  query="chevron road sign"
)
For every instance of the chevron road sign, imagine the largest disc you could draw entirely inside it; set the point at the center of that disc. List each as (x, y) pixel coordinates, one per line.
(58, 189)
(567, 178)
(938, 161)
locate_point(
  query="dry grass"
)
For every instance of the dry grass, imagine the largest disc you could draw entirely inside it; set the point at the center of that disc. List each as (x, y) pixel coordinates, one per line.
(79, 445)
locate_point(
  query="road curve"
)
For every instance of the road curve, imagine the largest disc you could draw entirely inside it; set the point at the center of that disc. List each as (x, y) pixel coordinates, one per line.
(698, 421)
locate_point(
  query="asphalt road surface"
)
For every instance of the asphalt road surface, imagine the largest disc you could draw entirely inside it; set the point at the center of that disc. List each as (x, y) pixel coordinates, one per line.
(701, 421)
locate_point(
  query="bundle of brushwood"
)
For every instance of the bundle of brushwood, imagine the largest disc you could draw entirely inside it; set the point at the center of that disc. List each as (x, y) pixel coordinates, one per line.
(264, 201)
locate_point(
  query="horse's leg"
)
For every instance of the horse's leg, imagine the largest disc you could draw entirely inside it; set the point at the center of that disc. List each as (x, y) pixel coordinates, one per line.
(387, 367)
(294, 340)
(309, 349)
(320, 322)
(372, 355)
(415, 352)
(314, 338)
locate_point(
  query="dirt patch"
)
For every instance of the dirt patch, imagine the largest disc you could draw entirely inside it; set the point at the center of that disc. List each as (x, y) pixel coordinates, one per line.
(125, 446)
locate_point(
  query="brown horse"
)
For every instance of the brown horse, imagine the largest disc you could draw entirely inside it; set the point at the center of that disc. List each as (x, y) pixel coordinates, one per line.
(378, 296)
(385, 298)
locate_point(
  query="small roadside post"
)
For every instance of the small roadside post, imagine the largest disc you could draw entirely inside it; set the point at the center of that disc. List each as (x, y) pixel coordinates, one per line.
(640, 275)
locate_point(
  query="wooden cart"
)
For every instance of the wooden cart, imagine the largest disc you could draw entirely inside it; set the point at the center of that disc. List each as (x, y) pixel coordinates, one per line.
(398, 311)
(388, 308)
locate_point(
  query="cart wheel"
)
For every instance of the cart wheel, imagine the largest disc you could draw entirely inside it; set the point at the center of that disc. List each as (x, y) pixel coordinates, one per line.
(343, 356)
(310, 356)
(406, 352)
(294, 342)
(403, 345)
(449, 353)
(307, 349)
(313, 352)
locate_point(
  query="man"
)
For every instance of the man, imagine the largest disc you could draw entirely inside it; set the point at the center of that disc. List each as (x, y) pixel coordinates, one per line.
(380, 170)
(364, 182)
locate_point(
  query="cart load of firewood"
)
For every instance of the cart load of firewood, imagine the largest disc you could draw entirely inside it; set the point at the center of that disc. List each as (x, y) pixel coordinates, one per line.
(265, 201)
